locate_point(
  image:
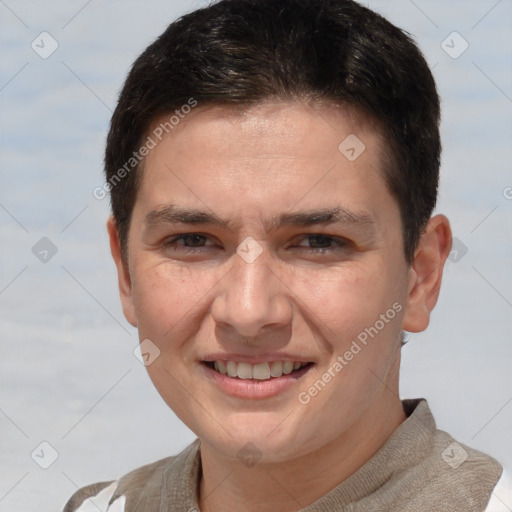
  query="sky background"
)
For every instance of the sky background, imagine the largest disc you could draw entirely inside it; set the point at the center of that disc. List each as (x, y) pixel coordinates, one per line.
(68, 375)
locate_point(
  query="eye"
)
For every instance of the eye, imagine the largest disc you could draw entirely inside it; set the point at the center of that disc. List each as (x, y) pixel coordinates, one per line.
(321, 243)
(187, 241)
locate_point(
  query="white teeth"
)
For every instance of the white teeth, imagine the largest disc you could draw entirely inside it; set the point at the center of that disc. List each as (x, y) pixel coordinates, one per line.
(222, 367)
(276, 370)
(260, 371)
(244, 370)
(231, 368)
(288, 367)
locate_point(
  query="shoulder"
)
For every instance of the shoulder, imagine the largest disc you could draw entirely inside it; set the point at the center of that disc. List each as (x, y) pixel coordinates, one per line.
(111, 496)
(443, 470)
(141, 489)
(501, 498)
(93, 497)
(470, 474)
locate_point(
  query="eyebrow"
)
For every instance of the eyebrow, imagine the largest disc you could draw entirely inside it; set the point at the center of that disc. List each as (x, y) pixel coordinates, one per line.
(172, 214)
(325, 216)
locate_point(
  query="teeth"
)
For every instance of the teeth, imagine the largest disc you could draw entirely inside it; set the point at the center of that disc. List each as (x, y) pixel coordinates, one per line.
(276, 369)
(222, 367)
(288, 367)
(260, 371)
(244, 370)
(232, 369)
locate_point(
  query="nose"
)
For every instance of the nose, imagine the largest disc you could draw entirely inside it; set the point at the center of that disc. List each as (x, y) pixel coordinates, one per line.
(252, 301)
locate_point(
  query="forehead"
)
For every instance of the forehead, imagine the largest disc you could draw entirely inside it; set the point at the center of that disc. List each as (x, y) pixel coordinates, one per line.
(268, 157)
(296, 129)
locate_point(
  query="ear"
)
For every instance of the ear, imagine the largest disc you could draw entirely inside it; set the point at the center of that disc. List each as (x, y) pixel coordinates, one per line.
(123, 273)
(426, 273)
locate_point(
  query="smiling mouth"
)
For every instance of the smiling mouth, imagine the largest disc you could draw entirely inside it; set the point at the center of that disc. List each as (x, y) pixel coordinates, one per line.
(261, 371)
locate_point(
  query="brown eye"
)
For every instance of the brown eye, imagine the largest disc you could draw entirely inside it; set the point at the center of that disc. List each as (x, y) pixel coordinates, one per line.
(188, 241)
(192, 240)
(321, 242)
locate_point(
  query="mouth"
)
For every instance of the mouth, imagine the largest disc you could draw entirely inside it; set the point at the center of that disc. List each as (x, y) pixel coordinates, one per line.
(258, 372)
(255, 377)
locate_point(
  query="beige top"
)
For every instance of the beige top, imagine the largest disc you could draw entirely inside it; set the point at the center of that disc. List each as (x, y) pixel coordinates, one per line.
(418, 469)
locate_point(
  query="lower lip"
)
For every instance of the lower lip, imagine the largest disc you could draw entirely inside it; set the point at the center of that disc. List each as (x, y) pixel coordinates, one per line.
(252, 388)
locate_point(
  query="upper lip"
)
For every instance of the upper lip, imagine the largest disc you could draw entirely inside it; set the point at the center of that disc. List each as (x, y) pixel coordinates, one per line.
(256, 358)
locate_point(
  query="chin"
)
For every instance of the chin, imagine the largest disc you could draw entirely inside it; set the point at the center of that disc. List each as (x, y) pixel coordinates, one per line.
(270, 439)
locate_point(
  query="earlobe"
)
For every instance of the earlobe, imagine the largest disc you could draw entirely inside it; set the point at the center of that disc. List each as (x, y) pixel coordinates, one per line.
(426, 272)
(123, 273)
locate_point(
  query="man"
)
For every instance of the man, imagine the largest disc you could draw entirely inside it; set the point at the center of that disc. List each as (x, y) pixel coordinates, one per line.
(273, 168)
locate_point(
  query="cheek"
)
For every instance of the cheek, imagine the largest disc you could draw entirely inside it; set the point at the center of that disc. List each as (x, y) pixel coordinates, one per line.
(346, 299)
(360, 312)
(164, 297)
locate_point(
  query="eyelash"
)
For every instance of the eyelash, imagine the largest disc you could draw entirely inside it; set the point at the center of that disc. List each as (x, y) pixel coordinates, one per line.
(184, 248)
(338, 243)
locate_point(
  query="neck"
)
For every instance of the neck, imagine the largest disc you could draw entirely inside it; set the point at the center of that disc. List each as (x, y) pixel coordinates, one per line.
(292, 485)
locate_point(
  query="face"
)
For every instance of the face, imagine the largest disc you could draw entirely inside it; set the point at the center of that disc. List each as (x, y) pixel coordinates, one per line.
(259, 248)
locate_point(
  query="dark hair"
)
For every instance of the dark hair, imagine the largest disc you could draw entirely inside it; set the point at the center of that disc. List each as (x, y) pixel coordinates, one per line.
(242, 52)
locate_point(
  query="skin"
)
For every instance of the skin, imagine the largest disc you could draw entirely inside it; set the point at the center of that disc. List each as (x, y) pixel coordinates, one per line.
(305, 294)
